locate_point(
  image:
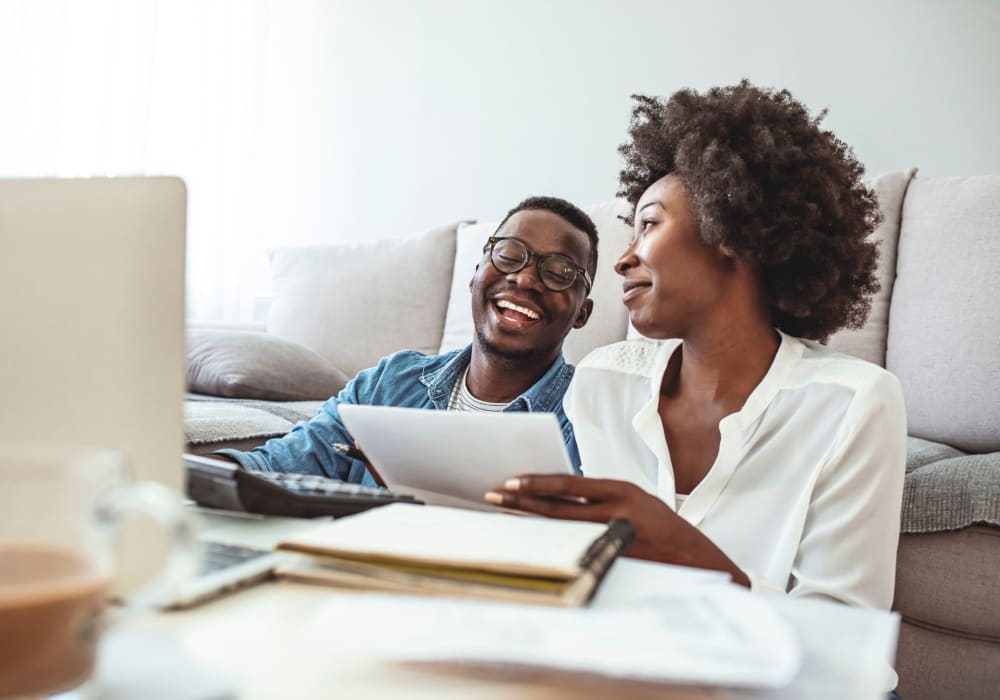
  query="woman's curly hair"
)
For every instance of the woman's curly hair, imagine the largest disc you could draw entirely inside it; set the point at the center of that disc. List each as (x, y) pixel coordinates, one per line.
(774, 188)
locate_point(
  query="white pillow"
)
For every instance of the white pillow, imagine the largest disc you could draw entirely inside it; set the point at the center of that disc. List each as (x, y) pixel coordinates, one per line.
(469, 242)
(356, 303)
(609, 320)
(869, 341)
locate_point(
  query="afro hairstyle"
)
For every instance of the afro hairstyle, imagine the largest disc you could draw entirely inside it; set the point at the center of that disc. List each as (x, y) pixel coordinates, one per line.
(774, 188)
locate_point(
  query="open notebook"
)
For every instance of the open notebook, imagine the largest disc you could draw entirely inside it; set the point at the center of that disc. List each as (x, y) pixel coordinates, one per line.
(446, 551)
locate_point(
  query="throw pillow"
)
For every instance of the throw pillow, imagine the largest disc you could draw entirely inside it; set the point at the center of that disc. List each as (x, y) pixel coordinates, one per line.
(245, 365)
(356, 303)
(869, 341)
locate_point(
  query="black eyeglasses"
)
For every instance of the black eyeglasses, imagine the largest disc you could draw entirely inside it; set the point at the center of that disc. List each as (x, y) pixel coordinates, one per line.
(557, 272)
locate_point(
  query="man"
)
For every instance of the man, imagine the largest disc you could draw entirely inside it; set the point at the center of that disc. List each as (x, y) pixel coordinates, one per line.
(529, 290)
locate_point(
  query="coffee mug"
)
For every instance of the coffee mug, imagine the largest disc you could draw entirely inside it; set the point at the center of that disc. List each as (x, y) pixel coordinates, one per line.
(60, 513)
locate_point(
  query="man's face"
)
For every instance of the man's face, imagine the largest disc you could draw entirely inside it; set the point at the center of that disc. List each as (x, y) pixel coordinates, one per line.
(515, 315)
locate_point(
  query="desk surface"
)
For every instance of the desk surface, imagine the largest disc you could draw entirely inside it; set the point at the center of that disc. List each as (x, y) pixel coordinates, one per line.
(261, 638)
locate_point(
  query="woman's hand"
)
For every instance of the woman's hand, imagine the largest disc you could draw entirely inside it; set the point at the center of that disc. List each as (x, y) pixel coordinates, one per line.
(660, 534)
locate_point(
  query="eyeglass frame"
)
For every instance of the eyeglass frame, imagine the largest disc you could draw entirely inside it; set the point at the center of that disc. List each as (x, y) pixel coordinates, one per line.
(539, 258)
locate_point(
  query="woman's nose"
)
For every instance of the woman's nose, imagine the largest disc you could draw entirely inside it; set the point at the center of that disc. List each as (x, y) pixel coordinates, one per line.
(626, 261)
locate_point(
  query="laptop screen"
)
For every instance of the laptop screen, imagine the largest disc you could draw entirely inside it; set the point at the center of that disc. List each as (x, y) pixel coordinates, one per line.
(92, 302)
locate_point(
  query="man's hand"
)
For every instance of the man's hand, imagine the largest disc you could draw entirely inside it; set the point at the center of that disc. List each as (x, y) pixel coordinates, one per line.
(660, 534)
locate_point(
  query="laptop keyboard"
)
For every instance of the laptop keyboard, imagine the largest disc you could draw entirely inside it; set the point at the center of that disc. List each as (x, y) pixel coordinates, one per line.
(217, 556)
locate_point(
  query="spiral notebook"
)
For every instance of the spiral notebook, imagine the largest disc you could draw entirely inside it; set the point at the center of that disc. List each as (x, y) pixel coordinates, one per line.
(436, 550)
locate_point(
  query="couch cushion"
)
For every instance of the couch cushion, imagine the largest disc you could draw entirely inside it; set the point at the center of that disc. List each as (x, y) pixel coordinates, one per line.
(868, 342)
(936, 665)
(244, 365)
(608, 322)
(354, 304)
(948, 580)
(944, 321)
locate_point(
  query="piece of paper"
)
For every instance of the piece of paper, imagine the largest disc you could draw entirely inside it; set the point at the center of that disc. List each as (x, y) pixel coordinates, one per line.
(848, 651)
(715, 635)
(452, 458)
(450, 536)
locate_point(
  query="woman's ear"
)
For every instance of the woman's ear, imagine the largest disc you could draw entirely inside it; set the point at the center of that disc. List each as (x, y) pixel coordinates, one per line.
(729, 258)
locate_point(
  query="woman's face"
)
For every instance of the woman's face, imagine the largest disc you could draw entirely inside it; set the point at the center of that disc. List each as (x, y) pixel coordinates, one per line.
(672, 279)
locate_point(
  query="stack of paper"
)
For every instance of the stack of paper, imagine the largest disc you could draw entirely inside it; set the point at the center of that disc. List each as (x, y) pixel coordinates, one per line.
(460, 553)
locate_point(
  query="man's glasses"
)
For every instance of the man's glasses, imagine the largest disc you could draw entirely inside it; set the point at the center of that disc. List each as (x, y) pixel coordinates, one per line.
(557, 272)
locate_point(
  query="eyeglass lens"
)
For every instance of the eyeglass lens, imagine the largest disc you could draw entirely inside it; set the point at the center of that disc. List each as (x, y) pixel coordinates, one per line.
(557, 272)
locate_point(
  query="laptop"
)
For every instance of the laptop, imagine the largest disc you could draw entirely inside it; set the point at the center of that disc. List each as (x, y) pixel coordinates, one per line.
(92, 301)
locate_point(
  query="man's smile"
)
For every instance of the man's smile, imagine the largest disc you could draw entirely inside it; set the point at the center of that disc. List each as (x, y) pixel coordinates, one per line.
(515, 315)
(522, 310)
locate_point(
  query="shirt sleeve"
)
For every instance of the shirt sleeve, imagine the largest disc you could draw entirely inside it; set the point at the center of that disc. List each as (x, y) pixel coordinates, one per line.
(847, 551)
(308, 447)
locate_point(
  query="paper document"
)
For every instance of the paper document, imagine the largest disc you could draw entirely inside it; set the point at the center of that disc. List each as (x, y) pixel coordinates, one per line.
(450, 458)
(717, 635)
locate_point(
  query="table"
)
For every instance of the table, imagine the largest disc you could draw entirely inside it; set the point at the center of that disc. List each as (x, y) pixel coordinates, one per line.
(257, 637)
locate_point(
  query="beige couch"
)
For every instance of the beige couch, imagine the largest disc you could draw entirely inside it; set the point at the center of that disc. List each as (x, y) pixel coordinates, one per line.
(935, 324)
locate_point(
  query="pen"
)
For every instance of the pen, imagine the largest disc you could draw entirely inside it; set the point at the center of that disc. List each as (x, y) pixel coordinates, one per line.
(350, 451)
(353, 452)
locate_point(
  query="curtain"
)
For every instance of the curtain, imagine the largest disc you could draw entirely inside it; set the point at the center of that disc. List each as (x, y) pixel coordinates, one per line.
(230, 96)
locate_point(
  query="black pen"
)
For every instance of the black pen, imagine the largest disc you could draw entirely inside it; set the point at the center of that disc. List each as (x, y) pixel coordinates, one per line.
(354, 452)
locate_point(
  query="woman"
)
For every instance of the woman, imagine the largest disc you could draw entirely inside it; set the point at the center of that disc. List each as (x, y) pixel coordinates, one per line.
(738, 442)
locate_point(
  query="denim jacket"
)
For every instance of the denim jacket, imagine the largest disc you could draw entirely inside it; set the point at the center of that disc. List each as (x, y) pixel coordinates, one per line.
(408, 379)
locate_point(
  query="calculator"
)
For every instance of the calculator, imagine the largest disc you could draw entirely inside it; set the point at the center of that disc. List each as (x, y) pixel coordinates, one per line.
(219, 484)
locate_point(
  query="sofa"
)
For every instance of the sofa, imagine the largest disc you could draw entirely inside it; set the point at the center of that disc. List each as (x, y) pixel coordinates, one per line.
(935, 324)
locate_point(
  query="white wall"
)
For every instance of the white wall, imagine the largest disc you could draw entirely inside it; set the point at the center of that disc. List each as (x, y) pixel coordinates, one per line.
(313, 121)
(444, 109)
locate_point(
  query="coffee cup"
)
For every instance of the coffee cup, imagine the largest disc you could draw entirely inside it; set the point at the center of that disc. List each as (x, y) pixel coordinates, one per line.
(61, 511)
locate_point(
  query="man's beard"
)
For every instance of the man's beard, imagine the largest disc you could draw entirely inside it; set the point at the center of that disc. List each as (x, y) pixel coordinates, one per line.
(509, 358)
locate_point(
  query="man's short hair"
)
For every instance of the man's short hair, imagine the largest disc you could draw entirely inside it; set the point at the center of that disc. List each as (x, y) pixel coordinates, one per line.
(572, 214)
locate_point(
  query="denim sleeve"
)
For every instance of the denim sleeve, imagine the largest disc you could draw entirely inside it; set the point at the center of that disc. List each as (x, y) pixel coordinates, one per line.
(570, 439)
(308, 447)
(569, 436)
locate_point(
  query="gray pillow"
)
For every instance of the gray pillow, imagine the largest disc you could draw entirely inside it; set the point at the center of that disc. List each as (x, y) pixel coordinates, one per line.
(247, 365)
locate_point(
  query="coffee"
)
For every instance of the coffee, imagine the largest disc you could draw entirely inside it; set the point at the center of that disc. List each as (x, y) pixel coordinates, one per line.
(51, 605)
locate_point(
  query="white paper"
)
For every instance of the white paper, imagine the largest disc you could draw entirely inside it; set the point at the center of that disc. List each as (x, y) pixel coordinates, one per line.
(453, 458)
(461, 537)
(716, 635)
(840, 652)
(848, 651)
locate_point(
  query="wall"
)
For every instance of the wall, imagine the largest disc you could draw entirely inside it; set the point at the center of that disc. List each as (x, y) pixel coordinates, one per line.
(444, 109)
(313, 121)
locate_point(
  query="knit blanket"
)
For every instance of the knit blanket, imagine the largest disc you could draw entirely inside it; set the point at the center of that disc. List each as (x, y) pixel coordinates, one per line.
(946, 489)
(209, 419)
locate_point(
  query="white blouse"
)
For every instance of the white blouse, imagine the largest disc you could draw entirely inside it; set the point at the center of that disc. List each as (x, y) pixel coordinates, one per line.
(805, 492)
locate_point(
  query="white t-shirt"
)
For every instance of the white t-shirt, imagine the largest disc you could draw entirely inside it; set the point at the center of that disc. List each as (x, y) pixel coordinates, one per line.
(805, 492)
